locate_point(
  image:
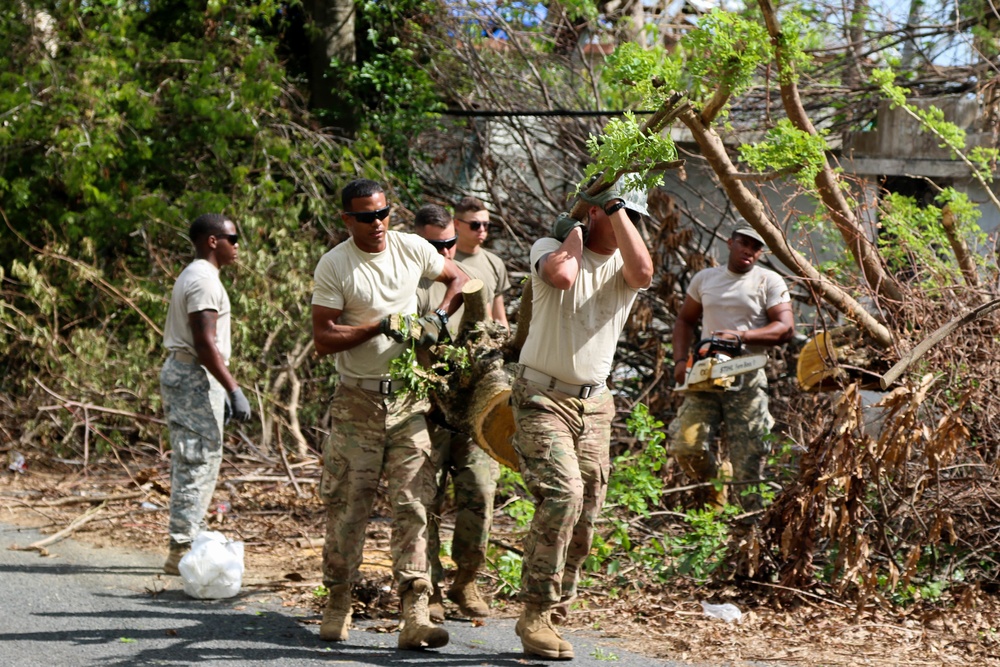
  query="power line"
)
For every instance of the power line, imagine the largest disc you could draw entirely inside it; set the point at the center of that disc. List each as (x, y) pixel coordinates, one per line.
(476, 113)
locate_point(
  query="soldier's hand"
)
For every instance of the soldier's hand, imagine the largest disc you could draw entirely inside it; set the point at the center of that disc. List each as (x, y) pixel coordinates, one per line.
(430, 329)
(400, 328)
(564, 224)
(239, 406)
(602, 198)
(680, 372)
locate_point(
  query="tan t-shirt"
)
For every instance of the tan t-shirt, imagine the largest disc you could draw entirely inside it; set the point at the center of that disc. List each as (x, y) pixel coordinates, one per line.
(430, 293)
(198, 288)
(574, 332)
(489, 268)
(736, 301)
(369, 286)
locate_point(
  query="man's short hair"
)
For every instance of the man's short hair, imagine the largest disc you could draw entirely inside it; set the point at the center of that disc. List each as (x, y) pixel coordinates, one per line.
(469, 205)
(358, 189)
(433, 215)
(207, 224)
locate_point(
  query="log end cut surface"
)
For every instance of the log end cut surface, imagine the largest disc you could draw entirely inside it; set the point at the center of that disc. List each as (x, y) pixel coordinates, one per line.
(494, 429)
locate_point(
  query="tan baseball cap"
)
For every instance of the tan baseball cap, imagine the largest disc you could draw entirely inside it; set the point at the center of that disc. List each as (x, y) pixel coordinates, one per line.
(751, 233)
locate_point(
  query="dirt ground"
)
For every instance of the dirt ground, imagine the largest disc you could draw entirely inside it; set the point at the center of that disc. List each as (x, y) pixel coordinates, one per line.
(275, 511)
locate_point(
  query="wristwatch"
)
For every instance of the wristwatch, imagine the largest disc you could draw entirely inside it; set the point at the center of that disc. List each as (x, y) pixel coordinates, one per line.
(442, 315)
(619, 205)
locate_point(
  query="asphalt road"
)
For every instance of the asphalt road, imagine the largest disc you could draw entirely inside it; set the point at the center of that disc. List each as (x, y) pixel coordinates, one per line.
(88, 606)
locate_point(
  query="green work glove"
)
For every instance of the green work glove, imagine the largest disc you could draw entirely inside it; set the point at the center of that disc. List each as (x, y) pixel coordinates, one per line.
(400, 327)
(430, 329)
(564, 225)
(603, 197)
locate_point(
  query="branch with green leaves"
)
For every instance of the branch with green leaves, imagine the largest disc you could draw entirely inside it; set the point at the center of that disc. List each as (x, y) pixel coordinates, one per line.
(979, 160)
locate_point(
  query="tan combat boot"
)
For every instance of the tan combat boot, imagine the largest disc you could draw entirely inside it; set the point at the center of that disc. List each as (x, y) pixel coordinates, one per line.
(435, 605)
(174, 556)
(418, 632)
(538, 637)
(465, 594)
(337, 615)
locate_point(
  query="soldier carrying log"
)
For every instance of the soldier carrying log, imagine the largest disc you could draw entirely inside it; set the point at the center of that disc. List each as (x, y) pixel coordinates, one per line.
(584, 280)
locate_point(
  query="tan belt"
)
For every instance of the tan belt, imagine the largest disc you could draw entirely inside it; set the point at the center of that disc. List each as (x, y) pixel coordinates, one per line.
(549, 382)
(184, 357)
(386, 387)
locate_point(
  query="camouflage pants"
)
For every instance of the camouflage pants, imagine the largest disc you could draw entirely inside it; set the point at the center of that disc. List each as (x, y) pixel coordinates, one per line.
(563, 448)
(193, 401)
(746, 425)
(372, 434)
(474, 474)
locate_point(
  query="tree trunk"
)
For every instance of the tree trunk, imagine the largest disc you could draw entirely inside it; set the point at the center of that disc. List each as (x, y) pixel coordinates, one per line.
(843, 217)
(331, 30)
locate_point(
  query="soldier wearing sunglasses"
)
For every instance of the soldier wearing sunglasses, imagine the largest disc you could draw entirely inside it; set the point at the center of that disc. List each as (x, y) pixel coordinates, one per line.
(584, 279)
(472, 222)
(361, 288)
(199, 393)
(473, 472)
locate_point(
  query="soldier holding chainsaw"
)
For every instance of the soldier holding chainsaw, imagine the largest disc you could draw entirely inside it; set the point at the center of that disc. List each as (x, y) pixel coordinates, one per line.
(740, 306)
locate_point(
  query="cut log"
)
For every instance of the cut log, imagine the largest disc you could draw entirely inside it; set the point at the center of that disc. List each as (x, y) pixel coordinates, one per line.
(491, 419)
(523, 320)
(475, 308)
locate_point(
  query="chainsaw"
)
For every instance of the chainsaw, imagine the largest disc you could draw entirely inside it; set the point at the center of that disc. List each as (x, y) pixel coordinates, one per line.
(715, 364)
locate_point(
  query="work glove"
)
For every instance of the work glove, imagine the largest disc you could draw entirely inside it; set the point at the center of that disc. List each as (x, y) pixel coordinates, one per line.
(237, 406)
(400, 328)
(564, 224)
(603, 197)
(430, 329)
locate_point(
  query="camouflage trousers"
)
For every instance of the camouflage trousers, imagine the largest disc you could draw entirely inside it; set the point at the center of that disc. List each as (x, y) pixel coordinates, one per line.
(746, 424)
(474, 474)
(193, 401)
(563, 448)
(372, 434)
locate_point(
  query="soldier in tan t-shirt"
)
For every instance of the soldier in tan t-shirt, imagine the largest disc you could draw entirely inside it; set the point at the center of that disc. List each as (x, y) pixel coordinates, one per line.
(362, 287)
(473, 472)
(584, 282)
(472, 224)
(742, 301)
(199, 393)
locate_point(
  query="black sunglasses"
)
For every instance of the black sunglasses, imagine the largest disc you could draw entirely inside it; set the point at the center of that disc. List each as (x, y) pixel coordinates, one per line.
(475, 225)
(443, 244)
(368, 217)
(232, 238)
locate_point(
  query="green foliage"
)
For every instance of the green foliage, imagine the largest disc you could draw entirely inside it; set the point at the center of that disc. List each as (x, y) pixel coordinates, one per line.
(788, 149)
(650, 75)
(932, 119)
(624, 147)
(913, 239)
(510, 484)
(700, 551)
(508, 570)
(635, 483)
(726, 48)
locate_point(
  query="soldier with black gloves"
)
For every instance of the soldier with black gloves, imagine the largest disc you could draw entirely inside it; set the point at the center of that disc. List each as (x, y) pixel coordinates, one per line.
(584, 280)
(364, 290)
(199, 393)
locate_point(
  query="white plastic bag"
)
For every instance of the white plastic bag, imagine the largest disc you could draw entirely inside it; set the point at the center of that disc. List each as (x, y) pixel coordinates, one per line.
(729, 613)
(213, 568)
